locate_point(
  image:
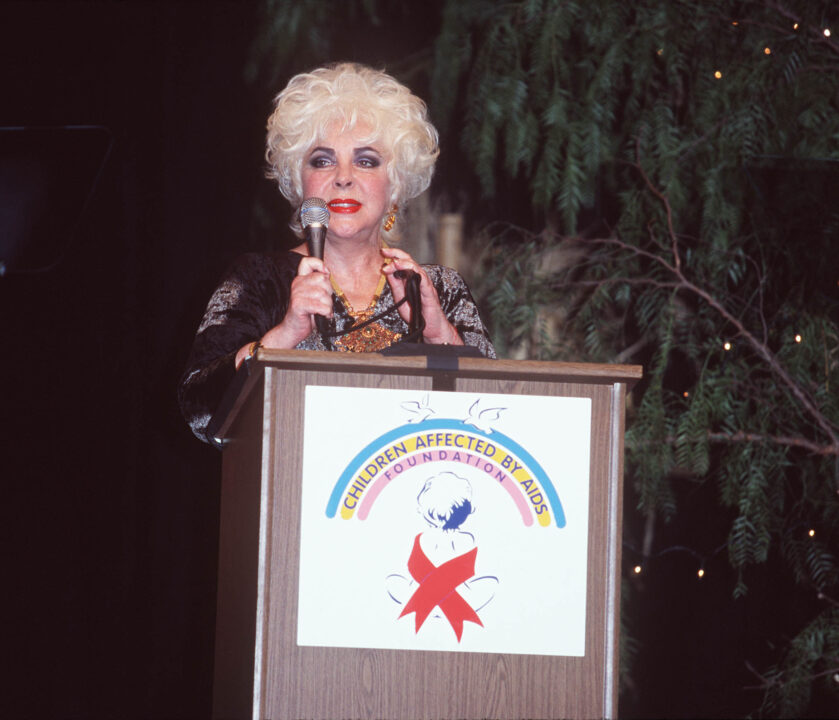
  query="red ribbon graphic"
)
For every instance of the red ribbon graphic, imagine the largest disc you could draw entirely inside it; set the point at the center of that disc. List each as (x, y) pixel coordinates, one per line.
(437, 586)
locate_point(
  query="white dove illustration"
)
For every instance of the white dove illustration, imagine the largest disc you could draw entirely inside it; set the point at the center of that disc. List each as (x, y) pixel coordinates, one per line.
(481, 419)
(420, 411)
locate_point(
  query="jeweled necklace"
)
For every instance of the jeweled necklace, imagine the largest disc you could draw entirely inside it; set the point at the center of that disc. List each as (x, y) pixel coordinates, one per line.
(369, 338)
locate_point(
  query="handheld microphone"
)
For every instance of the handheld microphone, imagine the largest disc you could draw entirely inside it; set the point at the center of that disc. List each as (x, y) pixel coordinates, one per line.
(314, 217)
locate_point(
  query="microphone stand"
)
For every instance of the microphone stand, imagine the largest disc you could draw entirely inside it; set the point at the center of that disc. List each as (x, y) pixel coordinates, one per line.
(412, 293)
(414, 344)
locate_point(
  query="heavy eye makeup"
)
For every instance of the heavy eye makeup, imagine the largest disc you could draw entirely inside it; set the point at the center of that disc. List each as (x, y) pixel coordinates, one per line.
(366, 157)
(321, 158)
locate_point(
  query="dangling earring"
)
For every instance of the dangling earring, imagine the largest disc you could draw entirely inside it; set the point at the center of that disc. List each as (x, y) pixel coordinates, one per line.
(390, 220)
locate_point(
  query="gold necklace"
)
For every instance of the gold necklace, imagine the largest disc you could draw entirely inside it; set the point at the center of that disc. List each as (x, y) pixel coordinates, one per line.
(371, 338)
(358, 313)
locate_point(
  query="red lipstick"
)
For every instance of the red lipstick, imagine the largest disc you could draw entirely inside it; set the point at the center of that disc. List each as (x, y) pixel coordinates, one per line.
(339, 205)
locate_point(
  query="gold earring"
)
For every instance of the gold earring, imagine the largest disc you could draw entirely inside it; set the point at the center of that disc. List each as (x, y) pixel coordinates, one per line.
(390, 220)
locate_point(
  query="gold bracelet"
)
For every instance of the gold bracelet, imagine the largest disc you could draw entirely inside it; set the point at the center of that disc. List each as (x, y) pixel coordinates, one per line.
(254, 347)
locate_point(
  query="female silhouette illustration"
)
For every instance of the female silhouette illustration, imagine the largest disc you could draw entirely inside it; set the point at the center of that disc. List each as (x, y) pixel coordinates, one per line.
(441, 578)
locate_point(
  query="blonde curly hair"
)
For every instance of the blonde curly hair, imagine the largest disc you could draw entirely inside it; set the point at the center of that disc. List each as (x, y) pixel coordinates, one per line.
(350, 94)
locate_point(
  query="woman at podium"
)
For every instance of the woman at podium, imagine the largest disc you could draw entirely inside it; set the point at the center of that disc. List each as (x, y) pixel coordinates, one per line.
(349, 146)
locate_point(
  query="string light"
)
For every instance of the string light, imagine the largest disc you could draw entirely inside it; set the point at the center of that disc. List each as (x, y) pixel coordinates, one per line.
(767, 51)
(812, 533)
(827, 32)
(726, 346)
(700, 560)
(685, 394)
(717, 74)
(795, 26)
(660, 51)
(798, 338)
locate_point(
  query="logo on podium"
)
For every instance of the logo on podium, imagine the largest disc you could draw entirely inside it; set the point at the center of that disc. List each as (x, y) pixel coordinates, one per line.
(444, 521)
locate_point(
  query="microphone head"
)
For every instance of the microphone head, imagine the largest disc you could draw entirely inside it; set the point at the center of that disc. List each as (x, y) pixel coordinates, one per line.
(314, 211)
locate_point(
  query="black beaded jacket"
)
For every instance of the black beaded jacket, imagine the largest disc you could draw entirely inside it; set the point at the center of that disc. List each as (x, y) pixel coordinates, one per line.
(253, 297)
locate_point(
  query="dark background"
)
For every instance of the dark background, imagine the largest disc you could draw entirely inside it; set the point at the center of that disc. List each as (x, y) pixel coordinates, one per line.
(110, 508)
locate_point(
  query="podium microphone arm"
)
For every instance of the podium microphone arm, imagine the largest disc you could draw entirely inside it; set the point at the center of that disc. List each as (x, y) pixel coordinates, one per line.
(416, 326)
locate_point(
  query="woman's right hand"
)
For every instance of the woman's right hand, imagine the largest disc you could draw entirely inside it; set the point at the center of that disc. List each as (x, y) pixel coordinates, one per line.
(311, 294)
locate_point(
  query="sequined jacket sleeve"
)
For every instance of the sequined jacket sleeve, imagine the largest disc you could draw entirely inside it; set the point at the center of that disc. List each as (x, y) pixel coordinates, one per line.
(251, 299)
(460, 308)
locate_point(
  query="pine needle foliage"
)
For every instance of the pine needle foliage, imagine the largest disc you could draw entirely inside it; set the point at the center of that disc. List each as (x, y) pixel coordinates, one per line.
(811, 659)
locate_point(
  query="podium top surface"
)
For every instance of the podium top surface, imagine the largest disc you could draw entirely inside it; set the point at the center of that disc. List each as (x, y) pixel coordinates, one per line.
(436, 366)
(464, 366)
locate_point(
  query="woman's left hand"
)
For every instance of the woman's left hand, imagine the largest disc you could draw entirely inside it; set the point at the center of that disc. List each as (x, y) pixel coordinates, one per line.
(438, 330)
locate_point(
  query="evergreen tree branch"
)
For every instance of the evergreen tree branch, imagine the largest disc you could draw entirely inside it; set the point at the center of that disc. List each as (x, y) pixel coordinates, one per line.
(759, 347)
(702, 138)
(619, 280)
(768, 683)
(761, 314)
(771, 360)
(677, 262)
(743, 436)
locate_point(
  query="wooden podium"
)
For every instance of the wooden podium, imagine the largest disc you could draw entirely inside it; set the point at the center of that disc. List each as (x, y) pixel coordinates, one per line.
(261, 672)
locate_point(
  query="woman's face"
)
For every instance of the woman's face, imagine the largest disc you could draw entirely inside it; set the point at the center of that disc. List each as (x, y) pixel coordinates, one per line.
(351, 176)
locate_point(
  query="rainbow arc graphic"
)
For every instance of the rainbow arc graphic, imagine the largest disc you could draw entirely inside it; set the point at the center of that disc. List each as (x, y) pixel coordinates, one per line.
(492, 454)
